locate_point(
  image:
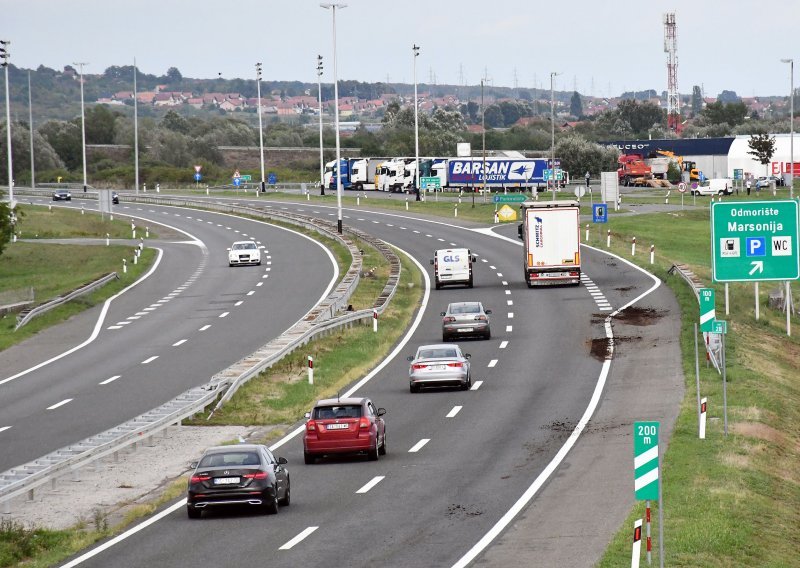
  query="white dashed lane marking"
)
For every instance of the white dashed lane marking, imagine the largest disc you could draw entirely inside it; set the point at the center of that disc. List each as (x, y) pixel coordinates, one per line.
(109, 380)
(205, 327)
(371, 483)
(181, 342)
(62, 403)
(302, 535)
(492, 363)
(454, 411)
(503, 344)
(476, 385)
(224, 314)
(149, 359)
(239, 303)
(508, 329)
(4, 428)
(419, 445)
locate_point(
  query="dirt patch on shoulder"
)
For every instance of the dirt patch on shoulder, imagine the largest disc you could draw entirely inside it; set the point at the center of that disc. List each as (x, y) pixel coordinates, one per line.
(635, 315)
(599, 348)
(760, 432)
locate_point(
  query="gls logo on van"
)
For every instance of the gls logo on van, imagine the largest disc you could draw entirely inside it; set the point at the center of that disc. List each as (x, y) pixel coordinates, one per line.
(451, 258)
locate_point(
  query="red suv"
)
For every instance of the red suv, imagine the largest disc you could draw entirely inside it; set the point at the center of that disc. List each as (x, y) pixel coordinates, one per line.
(344, 426)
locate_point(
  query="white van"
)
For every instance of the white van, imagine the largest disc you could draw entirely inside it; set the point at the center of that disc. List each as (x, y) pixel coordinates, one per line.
(716, 186)
(452, 266)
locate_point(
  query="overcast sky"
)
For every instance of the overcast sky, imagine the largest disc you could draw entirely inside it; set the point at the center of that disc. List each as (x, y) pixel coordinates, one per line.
(599, 47)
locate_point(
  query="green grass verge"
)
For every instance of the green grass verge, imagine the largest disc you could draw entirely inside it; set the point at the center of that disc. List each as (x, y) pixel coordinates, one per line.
(728, 501)
(282, 394)
(41, 222)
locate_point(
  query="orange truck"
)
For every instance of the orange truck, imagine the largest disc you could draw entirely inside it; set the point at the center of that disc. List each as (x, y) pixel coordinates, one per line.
(633, 170)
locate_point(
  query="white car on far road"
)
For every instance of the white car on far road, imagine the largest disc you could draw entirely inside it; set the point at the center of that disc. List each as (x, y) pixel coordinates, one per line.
(244, 252)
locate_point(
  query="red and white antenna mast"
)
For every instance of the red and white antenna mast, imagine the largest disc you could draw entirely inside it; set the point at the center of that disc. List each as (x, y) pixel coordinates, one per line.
(671, 49)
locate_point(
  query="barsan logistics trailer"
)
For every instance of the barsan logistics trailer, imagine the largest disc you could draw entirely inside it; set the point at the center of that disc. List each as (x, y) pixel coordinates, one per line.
(463, 173)
(550, 233)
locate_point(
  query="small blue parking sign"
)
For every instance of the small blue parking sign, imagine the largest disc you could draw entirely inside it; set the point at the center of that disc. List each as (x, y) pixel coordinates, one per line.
(599, 213)
(756, 246)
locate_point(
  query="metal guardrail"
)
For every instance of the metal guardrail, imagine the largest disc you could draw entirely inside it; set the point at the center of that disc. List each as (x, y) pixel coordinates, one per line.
(25, 478)
(26, 315)
(695, 284)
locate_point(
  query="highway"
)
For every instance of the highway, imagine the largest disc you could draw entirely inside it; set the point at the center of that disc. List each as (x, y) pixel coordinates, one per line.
(457, 461)
(190, 318)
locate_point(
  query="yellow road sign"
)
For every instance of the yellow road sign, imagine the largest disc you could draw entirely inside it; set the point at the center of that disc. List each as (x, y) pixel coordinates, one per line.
(506, 213)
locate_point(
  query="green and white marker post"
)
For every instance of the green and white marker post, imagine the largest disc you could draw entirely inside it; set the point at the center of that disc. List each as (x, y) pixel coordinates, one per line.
(721, 328)
(647, 482)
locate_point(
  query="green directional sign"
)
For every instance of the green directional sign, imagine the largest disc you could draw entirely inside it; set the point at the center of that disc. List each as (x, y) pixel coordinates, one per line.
(645, 460)
(511, 198)
(247, 177)
(720, 327)
(430, 182)
(756, 240)
(708, 313)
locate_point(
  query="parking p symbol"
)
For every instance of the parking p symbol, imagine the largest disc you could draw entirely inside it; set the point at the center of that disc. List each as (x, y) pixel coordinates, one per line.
(756, 246)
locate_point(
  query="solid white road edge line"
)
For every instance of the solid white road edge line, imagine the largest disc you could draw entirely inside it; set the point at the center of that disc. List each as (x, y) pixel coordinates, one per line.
(296, 539)
(126, 534)
(542, 478)
(400, 346)
(98, 325)
(418, 446)
(371, 483)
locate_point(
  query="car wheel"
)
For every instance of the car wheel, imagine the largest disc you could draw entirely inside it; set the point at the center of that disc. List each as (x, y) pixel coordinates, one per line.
(374, 453)
(488, 334)
(309, 459)
(193, 513)
(467, 385)
(258, 263)
(382, 450)
(414, 388)
(272, 507)
(287, 497)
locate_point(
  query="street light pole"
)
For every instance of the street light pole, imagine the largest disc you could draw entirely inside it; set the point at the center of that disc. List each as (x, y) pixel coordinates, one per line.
(553, 134)
(135, 132)
(5, 55)
(415, 50)
(332, 8)
(83, 124)
(260, 127)
(321, 158)
(483, 139)
(791, 140)
(30, 123)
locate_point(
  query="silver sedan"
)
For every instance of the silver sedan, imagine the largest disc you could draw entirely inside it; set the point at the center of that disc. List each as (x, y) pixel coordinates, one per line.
(442, 364)
(466, 319)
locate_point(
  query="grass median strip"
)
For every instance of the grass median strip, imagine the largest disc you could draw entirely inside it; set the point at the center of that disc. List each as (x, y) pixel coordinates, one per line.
(282, 394)
(728, 501)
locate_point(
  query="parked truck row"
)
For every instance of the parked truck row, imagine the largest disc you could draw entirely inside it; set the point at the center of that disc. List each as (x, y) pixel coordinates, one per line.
(449, 174)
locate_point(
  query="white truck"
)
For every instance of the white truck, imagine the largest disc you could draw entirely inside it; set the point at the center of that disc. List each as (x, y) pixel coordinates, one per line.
(452, 266)
(550, 232)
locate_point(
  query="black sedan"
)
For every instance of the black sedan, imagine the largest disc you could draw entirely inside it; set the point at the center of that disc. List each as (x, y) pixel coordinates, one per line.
(245, 474)
(62, 195)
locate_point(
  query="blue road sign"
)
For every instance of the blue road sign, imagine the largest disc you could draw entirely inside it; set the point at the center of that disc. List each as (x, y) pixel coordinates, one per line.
(599, 213)
(237, 181)
(197, 176)
(756, 246)
(272, 178)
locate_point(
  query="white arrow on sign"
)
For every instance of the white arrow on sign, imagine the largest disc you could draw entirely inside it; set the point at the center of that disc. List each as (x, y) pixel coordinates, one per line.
(758, 265)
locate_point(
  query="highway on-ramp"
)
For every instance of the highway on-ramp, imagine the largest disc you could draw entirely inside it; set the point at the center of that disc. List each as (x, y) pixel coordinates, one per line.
(457, 461)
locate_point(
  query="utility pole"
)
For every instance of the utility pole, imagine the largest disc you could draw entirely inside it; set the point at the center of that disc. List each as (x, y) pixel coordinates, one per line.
(83, 125)
(321, 159)
(5, 55)
(30, 123)
(260, 127)
(135, 132)
(415, 51)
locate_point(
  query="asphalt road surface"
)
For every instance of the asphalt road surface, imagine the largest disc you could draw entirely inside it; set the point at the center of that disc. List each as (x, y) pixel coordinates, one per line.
(458, 461)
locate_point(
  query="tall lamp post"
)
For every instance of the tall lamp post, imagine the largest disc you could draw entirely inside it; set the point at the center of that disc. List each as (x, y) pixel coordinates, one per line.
(415, 50)
(83, 124)
(483, 140)
(260, 127)
(791, 140)
(30, 124)
(135, 132)
(321, 158)
(332, 8)
(4, 56)
(553, 133)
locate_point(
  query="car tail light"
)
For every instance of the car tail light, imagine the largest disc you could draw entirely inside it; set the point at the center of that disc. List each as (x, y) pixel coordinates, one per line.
(256, 475)
(200, 478)
(418, 366)
(449, 319)
(480, 318)
(311, 426)
(363, 423)
(455, 364)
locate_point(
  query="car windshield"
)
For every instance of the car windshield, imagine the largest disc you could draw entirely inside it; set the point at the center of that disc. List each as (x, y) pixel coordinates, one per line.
(244, 246)
(465, 309)
(331, 412)
(436, 353)
(229, 459)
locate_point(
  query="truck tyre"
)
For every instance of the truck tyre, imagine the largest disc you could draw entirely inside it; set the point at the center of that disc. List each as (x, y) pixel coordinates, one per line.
(359, 186)
(438, 285)
(469, 283)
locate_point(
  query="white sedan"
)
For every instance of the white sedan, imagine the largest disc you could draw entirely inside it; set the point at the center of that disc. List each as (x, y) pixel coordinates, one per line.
(244, 252)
